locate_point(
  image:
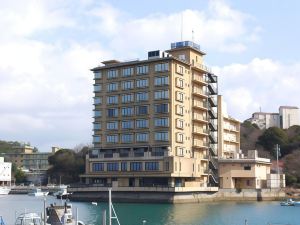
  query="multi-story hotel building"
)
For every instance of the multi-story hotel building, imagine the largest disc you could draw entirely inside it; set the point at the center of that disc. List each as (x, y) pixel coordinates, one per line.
(155, 122)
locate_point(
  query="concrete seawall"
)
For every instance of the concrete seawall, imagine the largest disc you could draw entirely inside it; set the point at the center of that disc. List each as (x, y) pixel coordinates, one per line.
(186, 197)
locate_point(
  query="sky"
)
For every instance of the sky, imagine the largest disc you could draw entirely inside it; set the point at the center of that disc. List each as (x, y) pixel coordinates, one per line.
(47, 49)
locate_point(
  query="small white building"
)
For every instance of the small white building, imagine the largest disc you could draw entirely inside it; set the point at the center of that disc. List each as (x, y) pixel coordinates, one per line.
(289, 116)
(5, 172)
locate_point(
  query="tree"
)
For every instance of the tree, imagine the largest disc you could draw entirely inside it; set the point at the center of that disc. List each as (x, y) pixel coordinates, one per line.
(67, 165)
(292, 167)
(271, 137)
(20, 176)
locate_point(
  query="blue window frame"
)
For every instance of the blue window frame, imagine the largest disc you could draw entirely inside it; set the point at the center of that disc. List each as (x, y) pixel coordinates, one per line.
(97, 167)
(151, 166)
(112, 166)
(135, 166)
(123, 166)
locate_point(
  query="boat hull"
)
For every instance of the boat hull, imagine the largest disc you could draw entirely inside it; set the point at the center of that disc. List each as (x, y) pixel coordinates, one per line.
(4, 190)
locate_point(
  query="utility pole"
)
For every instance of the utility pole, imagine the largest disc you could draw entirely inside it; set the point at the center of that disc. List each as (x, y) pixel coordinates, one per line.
(277, 155)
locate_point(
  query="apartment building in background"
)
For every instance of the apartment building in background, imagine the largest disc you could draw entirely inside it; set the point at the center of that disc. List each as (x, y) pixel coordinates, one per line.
(229, 132)
(286, 117)
(155, 123)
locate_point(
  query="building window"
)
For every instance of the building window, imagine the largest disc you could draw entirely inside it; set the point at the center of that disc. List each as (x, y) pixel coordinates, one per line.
(127, 124)
(97, 113)
(179, 69)
(112, 74)
(161, 108)
(97, 126)
(112, 99)
(128, 84)
(142, 137)
(98, 75)
(140, 70)
(161, 136)
(161, 122)
(112, 112)
(113, 125)
(179, 96)
(179, 110)
(180, 137)
(127, 72)
(127, 138)
(161, 94)
(142, 96)
(135, 166)
(161, 81)
(143, 83)
(97, 87)
(112, 87)
(97, 139)
(142, 110)
(97, 100)
(151, 166)
(97, 167)
(127, 111)
(127, 98)
(247, 167)
(123, 166)
(112, 166)
(179, 123)
(179, 82)
(142, 123)
(112, 138)
(162, 67)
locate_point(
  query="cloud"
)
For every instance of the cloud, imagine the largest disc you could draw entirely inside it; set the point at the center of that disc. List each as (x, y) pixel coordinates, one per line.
(264, 83)
(48, 47)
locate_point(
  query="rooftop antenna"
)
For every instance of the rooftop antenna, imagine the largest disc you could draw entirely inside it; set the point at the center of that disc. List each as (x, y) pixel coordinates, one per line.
(193, 35)
(181, 30)
(260, 108)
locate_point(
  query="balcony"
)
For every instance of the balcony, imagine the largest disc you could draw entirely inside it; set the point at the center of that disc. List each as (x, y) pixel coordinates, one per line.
(200, 131)
(200, 105)
(202, 67)
(197, 143)
(200, 118)
(200, 92)
(199, 79)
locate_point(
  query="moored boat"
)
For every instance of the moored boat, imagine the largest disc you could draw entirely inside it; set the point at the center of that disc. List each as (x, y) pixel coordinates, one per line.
(4, 190)
(28, 218)
(37, 192)
(288, 202)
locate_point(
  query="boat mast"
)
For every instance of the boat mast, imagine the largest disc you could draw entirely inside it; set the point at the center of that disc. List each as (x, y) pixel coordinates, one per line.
(112, 212)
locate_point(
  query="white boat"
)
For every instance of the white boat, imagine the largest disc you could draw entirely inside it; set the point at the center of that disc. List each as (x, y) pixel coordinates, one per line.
(4, 190)
(28, 219)
(37, 192)
(288, 202)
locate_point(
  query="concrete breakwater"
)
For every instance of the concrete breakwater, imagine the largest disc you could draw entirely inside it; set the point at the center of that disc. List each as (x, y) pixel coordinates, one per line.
(183, 197)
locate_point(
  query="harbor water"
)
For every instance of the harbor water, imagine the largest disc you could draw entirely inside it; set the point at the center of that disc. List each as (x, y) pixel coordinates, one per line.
(215, 213)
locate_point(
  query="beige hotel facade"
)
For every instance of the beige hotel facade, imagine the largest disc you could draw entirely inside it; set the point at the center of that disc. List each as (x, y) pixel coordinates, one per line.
(155, 123)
